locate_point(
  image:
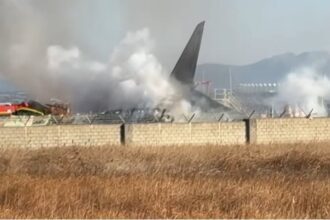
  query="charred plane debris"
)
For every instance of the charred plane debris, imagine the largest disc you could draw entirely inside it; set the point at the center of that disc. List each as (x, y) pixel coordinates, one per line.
(182, 77)
(138, 115)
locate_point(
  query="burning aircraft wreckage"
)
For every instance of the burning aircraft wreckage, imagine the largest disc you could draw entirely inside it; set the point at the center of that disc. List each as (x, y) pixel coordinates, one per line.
(203, 108)
(182, 79)
(198, 106)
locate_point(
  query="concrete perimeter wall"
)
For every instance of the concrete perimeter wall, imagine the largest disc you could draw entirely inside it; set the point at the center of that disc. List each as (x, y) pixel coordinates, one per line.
(179, 134)
(254, 131)
(289, 130)
(60, 136)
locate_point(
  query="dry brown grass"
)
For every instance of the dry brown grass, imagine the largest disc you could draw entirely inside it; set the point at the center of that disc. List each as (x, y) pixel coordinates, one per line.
(287, 181)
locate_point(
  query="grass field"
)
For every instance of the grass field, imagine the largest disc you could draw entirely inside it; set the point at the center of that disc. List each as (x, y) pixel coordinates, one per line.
(285, 181)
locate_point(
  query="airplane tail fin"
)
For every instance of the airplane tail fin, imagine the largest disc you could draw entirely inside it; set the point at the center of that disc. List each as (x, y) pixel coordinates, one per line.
(184, 70)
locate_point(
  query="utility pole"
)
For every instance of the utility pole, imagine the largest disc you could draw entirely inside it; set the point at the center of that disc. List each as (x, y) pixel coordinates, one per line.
(203, 78)
(230, 82)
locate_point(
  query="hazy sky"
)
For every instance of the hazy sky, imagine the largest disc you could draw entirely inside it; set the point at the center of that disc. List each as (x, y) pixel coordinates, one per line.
(236, 31)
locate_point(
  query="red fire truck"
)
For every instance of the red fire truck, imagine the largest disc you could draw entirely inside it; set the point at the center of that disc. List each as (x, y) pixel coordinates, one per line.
(10, 108)
(33, 108)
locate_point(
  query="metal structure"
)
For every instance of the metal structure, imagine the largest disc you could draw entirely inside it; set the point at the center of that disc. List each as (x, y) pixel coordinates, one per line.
(185, 68)
(183, 76)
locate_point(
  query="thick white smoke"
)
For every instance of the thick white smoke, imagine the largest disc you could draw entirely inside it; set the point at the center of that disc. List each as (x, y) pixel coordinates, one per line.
(304, 89)
(140, 76)
(61, 60)
(44, 52)
(132, 78)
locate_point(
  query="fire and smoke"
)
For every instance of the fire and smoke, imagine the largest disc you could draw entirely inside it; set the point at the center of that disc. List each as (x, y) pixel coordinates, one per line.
(140, 76)
(304, 89)
(42, 57)
(133, 77)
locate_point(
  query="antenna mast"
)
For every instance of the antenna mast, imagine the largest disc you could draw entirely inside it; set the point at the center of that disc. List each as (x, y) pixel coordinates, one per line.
(230, 82)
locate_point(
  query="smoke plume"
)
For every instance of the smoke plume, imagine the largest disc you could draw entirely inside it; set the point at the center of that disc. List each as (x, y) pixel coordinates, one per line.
(304, 90)
(132, 78)
(45, 58)
(140, 76)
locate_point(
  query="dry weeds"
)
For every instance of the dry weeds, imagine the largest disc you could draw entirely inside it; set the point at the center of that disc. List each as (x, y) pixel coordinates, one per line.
(287, 181)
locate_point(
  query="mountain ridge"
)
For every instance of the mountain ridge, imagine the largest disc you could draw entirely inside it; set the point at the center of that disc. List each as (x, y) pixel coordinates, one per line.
(268, 70)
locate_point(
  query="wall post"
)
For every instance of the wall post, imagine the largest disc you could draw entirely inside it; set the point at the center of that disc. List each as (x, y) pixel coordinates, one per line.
(251, 131)
(123, 134)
